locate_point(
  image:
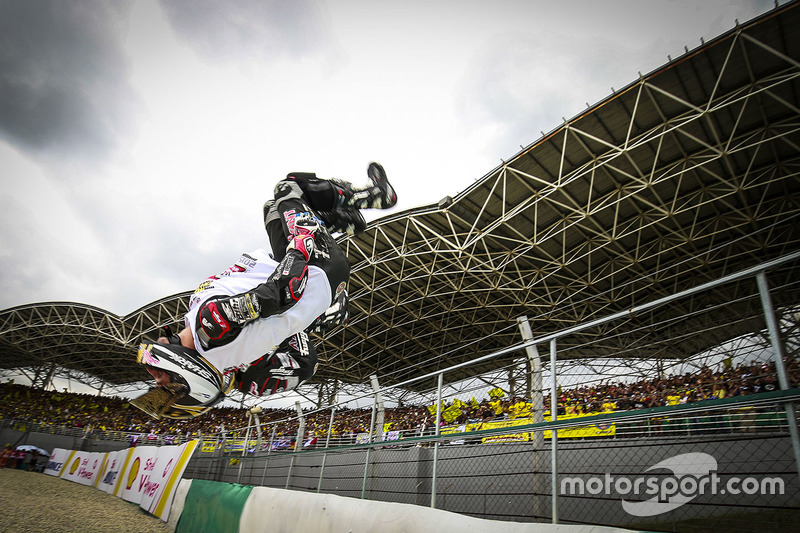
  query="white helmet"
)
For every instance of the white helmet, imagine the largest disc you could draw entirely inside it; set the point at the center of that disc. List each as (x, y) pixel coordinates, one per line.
(195, 385)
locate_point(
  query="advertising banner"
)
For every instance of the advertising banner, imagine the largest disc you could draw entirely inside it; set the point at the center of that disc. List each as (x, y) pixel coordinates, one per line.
(136, 474)
(147, 475)
(163, 478)
(109, 477)
(57, 460)
(82, 467)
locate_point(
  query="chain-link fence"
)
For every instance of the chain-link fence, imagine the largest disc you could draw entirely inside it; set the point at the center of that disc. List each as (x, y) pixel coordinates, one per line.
(665, 420)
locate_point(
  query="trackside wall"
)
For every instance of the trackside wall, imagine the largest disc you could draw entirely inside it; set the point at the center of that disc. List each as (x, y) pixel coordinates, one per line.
(212, 506)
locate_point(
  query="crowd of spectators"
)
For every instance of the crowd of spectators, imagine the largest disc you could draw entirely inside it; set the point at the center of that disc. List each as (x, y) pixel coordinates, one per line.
(97, 415)
(113, 417)
(704, 384)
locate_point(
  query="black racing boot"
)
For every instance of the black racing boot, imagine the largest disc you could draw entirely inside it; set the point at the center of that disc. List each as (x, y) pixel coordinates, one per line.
(380, 195)
(377, 175)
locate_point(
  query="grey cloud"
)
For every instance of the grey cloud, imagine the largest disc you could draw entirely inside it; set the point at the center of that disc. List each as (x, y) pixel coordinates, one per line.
(63, 76)
(525, 83)
(267, 29)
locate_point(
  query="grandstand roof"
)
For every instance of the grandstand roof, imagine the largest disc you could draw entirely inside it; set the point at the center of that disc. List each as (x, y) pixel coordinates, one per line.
(687, 174)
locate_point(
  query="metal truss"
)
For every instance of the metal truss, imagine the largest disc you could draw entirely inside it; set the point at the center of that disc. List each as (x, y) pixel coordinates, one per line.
(81, 342)
(689, 173)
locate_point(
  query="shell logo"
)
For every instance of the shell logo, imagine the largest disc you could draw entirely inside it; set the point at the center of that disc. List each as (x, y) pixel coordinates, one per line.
(75, 464)
(132, 473)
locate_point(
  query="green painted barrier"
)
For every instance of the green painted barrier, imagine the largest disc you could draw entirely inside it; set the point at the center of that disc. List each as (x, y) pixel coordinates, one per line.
(213, 507)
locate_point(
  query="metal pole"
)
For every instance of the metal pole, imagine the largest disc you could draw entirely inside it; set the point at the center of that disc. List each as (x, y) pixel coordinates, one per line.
(289, 474)
(301, 428)
(777, 357)
(244, 447)
(553, 432)
(272, 438)
(327, 443)
(436, 443)
(537, 412)
(366, 470)
(369, 449)
(222, 453)
(298, 443)
(380, 416)
(256, 411)
(372, 418)
(269, 451)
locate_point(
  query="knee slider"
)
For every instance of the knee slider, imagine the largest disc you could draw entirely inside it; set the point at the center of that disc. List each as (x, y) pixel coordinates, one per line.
(286, 189)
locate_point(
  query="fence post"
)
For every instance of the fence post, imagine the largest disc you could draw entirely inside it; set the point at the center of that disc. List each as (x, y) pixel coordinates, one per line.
(325, 454)
(272, 437)
(269, 451)
(244, 446)
(369, 440)
(257, 410)
(298, 443)
(301, 427)
(778, 356)
(436, 443)
(553, 431)
(380, 414)
(537, 412)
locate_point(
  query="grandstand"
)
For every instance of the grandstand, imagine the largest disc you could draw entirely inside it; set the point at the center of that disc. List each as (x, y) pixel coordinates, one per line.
(651, 235)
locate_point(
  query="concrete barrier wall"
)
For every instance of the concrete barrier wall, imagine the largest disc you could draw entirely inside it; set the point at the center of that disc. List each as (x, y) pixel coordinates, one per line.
(293, 511)
(287, 511)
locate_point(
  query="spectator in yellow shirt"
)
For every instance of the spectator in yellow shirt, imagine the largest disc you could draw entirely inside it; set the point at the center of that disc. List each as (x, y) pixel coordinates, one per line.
(673, 398)
(519, 409)
(719, 391)
(497, 406)
(608, 405)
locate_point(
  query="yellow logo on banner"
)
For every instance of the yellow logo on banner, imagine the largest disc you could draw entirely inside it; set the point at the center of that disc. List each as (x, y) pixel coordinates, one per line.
(134, 471)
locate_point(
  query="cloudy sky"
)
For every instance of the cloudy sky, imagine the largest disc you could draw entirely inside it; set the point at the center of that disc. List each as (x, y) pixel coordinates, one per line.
(139, 139)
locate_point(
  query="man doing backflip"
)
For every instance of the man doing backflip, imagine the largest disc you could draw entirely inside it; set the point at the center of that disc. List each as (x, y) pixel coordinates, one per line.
(246, 327)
